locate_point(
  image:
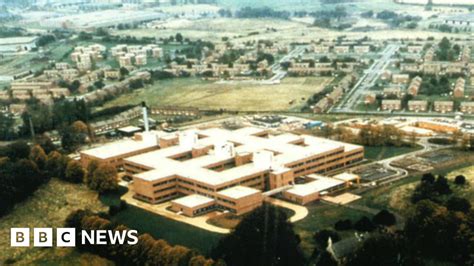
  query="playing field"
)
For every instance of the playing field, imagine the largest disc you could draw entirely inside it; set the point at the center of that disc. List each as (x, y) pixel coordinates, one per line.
(290, 95)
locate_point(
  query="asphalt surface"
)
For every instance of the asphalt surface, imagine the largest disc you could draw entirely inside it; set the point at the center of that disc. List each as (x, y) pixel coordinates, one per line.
(353, 97)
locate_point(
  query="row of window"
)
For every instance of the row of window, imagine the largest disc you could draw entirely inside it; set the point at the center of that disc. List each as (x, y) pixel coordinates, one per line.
(165, 182)
(164, 189)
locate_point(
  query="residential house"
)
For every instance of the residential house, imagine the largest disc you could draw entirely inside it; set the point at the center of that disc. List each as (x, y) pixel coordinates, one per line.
(417, 106)
(391, 105)
(443, 106)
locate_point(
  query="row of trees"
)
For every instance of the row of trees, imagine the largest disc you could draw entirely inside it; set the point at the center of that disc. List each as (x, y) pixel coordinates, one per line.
(382, 219)
(370, 135)
(148, 251)
(263, 12)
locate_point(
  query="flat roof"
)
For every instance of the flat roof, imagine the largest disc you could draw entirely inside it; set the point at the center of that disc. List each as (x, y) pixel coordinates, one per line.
(238, 192)
(129, 129)
(319, 185)
(198, 168)
(119, 148)
(346, 177)
(193, 200)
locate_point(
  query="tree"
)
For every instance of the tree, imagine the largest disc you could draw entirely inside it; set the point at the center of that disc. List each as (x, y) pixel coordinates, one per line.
(364, 224)
(7, 130)
(73, 136)
(458, 204)
(384, 218)
(27, 175)
(99, 84)
(74, 172)
(263, 237)
(74, 86)
(57, 164)
(16, 150)
(45, 143)
(437, 233)
(460, 180)
(38, 156)
(321, 238)
(441, 185)
(343, 225)
(104, 179)
(91, 167)
(45, 39)
(124, 71)
(200, 261)
(378, 249)
(428, 177)
(179, 37)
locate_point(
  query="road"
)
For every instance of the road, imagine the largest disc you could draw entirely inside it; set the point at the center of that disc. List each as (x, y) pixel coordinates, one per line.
(367, 81)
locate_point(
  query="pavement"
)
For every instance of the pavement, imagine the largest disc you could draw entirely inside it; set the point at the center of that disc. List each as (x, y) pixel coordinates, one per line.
(366, 81)
(300, 211)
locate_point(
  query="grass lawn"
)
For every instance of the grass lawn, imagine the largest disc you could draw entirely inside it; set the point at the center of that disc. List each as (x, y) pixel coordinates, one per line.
(383, 152)
(48, 207)
(240, 96)
(323, 216)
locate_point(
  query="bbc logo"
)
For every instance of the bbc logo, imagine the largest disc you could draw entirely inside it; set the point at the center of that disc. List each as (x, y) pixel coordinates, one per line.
(43, 237)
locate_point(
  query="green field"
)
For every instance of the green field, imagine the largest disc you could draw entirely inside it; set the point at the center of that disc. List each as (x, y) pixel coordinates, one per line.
(384, 152)
(195, 92)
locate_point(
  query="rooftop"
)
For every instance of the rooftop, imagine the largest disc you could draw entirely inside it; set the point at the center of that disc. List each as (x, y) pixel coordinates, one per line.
(123, 147)
(319, 185)
(238, 192)
(346, 177)
(129, 129)
(279, 150)
(193, 200)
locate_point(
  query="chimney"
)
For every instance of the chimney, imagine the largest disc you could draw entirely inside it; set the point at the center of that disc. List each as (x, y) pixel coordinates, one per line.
(145, 117)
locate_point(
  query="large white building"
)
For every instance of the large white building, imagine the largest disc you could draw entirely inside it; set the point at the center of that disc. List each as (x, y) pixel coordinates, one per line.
(227, 169)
